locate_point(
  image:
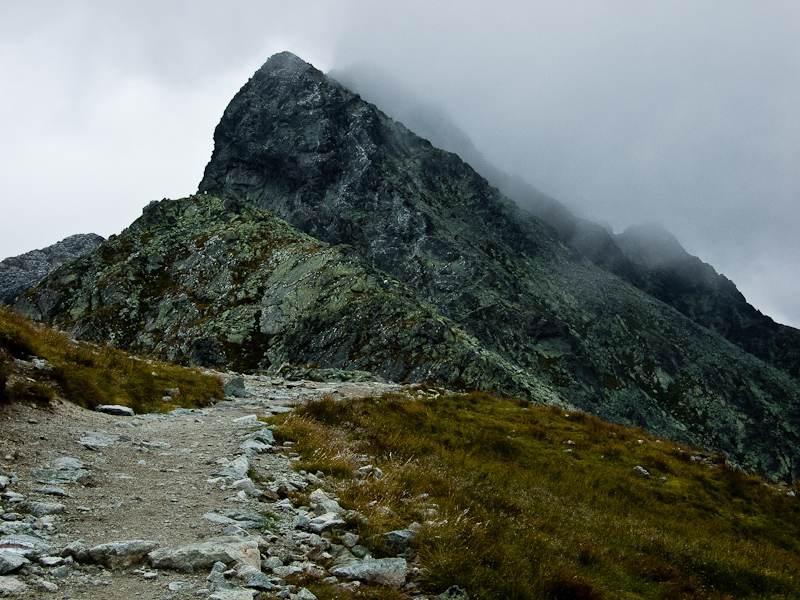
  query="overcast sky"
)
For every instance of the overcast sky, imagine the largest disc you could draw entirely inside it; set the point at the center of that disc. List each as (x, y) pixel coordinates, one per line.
(682, 113)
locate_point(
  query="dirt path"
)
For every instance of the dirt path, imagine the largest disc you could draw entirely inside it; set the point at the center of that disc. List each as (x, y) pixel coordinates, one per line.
(150, 477)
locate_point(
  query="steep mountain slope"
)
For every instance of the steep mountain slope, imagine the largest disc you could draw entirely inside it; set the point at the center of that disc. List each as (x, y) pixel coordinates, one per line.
(20, 273)
(485, 295)
(669, 273)
(684, 282)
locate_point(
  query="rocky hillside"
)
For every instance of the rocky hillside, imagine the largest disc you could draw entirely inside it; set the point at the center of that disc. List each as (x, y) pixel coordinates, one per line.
(416, 268)
(647, 257)
(204, 281)
(20, 273)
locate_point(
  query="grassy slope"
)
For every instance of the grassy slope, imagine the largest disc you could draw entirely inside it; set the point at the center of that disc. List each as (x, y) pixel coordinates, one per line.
(89, 375)
(520, 501)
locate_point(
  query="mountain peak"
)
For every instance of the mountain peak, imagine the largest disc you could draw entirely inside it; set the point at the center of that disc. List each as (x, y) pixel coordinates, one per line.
(285, 61)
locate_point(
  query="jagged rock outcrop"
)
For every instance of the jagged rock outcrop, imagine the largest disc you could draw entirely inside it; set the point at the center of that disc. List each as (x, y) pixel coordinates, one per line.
(432, 273)
(20, 273)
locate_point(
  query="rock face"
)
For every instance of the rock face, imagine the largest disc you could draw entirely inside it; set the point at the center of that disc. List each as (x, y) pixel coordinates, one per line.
(667, 272)
(20, 273)
(647, 256)
(410, 266)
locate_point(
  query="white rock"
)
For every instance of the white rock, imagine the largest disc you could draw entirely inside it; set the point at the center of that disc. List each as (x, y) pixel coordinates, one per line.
(246, 420)
(115, 409)
(247, 486)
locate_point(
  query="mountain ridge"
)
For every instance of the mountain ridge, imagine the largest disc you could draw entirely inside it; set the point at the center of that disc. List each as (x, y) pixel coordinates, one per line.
(691, 286)
(557, 327)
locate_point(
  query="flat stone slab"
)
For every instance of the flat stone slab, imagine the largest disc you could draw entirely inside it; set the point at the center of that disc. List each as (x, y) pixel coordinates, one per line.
(390, 572)
(203, 555)
(41, 509)
(115, 409)
(27, 545)
(61, 470)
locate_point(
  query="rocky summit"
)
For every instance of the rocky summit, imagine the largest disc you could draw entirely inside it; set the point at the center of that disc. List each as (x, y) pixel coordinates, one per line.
(328, 235)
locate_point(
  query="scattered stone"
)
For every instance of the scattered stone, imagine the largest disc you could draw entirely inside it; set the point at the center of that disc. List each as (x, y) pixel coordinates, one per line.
(40, 509)
(641, 471)
(202, 555)
(10, 586)
(62, 470)
(393, 542)
(115, 409)
(27, 545)
(121, 554)
(3, 482)
(235, 388)
(235, 469)
(51, 491)
(11, 561)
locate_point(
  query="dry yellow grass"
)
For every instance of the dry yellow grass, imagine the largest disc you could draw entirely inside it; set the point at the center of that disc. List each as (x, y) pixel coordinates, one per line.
(520, 501)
